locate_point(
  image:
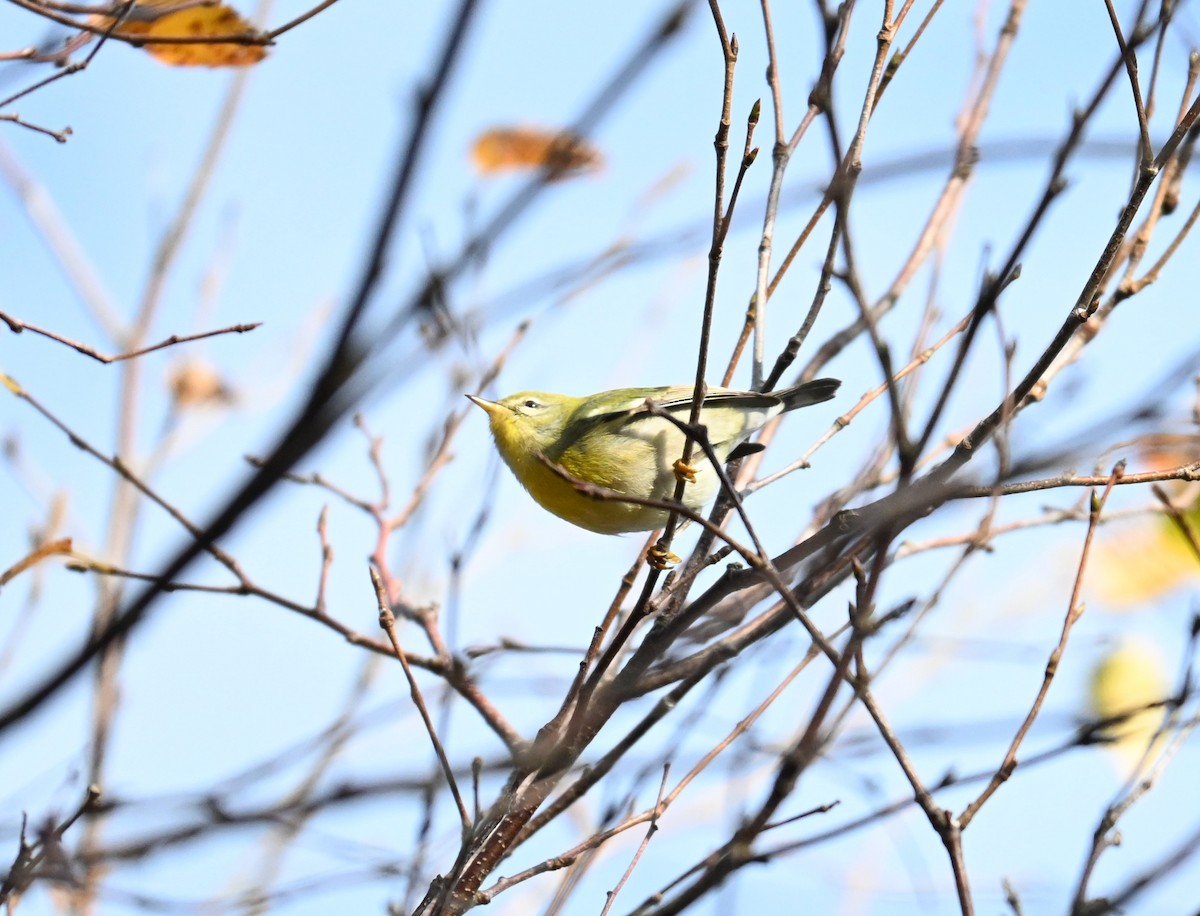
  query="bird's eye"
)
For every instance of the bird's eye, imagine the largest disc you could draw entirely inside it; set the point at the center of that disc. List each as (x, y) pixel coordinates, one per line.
(531, 404)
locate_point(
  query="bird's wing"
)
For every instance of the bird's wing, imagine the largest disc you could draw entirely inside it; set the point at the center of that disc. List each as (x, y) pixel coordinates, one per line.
(632, 403)
(625, 409)
(626, 405)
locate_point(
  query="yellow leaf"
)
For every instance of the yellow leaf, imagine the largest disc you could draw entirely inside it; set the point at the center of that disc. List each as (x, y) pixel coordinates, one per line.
(1126, 686)
(1138, 562)
(1142, 562)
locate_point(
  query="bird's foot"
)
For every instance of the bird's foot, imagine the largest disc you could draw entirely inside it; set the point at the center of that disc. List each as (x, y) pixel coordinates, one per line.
(684, 471)
(660, 558)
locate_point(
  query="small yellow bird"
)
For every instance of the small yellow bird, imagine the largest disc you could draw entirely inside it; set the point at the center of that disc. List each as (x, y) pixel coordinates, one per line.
(611, 439)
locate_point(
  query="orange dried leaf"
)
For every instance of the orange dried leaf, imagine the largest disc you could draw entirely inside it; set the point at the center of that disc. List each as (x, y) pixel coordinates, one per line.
(194, 383)
(203, 21)
(506, 149)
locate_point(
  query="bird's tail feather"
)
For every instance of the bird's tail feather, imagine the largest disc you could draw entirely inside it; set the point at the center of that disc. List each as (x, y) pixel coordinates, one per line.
(807, 393)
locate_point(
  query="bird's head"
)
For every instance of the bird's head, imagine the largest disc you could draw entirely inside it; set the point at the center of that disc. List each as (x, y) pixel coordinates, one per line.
(528, 422)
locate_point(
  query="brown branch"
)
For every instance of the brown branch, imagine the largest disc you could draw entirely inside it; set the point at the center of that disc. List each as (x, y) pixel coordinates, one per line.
(1075, 610)
(72, 69)
(272, 34)
(722, 217)
(60, 135)
(17, 327)
(656, 812)
(1185, 472)
(387, 620)
(111, 29)
(1146, 153)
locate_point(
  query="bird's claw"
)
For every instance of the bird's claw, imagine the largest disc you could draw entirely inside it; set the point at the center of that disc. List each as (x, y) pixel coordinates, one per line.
(660, 558)
(684, 471)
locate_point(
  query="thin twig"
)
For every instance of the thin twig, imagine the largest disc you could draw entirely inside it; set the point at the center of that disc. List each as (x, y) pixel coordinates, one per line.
(1075, 610)
(17, 327)
(611, 896)
(1131, 68)
(387, 620)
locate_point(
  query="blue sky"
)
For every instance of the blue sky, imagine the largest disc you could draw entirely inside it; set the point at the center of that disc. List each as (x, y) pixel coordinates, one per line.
(213, 684)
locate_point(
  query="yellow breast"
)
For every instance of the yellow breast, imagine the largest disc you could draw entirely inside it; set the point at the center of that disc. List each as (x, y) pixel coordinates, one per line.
(637, 465)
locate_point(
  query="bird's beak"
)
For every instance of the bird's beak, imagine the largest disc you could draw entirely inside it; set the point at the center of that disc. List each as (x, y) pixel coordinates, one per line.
(493, 409)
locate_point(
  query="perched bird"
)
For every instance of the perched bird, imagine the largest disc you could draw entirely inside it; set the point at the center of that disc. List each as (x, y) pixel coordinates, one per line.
(613, 440)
